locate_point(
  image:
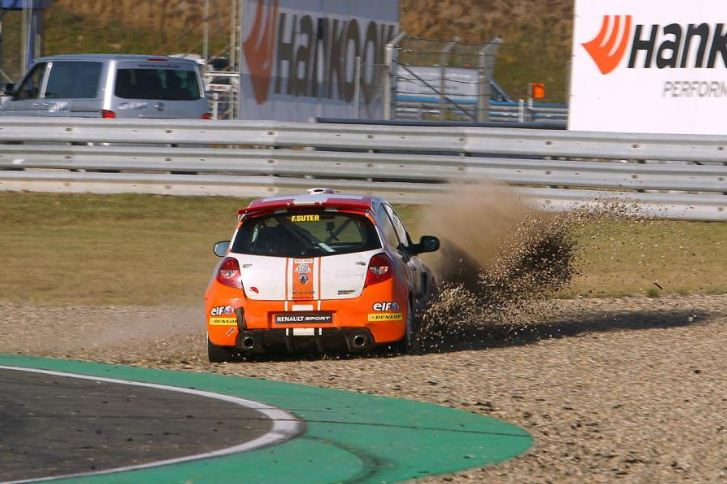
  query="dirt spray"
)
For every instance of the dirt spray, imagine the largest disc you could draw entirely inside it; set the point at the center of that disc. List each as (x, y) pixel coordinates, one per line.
(499, 256)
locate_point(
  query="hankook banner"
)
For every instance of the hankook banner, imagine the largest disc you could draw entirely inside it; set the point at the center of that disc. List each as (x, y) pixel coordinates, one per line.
(650, 66)
(299, 58)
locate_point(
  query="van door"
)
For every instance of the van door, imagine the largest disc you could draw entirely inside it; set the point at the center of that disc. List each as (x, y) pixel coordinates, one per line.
(72, 89)
(158, 88)
(27, 98)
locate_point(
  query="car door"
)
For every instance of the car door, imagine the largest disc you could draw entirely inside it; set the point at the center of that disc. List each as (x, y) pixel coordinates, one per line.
(398, 241)
(26, 100)
(420, 277)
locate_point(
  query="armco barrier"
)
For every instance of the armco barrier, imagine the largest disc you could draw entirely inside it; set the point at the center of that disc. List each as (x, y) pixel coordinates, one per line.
(664, 175)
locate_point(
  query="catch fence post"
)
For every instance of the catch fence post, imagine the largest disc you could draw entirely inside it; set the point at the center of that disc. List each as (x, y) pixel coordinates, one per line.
(389, 61)
(487, 57)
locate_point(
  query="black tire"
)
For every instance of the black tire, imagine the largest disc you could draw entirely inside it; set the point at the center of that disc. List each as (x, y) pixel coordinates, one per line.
(406, 344)
(218, 354)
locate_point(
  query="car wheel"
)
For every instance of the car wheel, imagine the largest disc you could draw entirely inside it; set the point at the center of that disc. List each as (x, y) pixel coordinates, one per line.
(218, 354)
(406, 344)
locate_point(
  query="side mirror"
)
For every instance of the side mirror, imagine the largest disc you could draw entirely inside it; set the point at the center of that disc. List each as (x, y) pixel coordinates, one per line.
(428, 243)
(220, 249)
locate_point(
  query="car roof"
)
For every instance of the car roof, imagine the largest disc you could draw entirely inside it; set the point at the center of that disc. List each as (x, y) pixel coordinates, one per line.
(320, 199)
(116, 57)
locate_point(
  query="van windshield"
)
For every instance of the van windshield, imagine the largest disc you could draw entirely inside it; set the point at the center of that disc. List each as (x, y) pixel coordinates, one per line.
(162, 84)
(306, 234)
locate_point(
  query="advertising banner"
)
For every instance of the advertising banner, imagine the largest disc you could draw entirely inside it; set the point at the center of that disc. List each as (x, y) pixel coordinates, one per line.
(649, 66)
(457, 83)
(298, 58)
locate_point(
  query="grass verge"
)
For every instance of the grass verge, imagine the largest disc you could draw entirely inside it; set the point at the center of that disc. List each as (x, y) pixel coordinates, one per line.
(147, 250)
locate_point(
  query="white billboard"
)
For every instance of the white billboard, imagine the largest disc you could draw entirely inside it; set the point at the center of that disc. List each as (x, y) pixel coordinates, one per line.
(650, 66)
(460, 84)
(298, 58)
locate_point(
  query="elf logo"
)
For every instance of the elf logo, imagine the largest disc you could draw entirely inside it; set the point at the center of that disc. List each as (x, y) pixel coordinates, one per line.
(385, 306)
(222, 310)
(671, 46)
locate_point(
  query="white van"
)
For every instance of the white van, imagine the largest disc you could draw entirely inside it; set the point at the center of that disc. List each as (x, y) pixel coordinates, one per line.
(110, 86)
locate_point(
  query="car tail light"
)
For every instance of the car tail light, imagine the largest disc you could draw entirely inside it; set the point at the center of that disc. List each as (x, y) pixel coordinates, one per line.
(206, 116)
(229, 273)
(107, 114)
(380, 269)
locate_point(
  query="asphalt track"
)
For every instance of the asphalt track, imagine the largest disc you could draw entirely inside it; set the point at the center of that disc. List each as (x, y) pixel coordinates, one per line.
(189, 427)
(55, 425)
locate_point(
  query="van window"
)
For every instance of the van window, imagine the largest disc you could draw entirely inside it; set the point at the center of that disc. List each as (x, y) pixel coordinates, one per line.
(73, 80)
(163, 84)
(30, 87)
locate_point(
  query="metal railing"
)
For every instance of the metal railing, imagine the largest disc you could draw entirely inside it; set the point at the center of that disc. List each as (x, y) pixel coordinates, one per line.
(423, 108)
(664, 175)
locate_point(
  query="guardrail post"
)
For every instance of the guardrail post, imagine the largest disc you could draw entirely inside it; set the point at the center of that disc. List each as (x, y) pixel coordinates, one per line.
(215, 105)
(357, 88)
(520, 111)
(487, 66)
(389, 61)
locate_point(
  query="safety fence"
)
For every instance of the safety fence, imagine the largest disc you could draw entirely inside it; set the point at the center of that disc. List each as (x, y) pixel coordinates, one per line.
(683, 177)
(423, 108)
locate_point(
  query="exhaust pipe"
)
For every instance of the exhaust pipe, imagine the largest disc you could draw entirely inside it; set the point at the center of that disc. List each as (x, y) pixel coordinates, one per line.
(359, 341)
(248, 342)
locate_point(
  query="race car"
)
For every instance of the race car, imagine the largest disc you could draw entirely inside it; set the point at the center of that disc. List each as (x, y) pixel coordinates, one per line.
(325, 270)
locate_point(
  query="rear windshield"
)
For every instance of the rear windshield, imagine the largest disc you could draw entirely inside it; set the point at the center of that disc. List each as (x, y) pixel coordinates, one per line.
(306, 234)
(164, 84)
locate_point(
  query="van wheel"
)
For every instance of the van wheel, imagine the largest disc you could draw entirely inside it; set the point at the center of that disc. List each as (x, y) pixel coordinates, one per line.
(218, 354)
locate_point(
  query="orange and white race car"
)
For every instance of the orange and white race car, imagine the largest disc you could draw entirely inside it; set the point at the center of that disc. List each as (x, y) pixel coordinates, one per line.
(323, 269)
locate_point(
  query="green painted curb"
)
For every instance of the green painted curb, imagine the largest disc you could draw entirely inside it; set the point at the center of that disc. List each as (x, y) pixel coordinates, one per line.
(350, 437)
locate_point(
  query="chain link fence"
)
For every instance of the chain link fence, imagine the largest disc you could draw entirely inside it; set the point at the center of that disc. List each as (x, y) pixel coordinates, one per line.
(446, 81)
(369, 96)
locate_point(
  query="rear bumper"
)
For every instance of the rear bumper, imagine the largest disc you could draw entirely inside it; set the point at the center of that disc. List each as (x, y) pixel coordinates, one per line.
(360, 315)
(258, 341)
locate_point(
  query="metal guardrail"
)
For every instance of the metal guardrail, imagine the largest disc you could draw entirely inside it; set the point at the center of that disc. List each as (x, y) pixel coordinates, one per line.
(665, 175)
(511, 112)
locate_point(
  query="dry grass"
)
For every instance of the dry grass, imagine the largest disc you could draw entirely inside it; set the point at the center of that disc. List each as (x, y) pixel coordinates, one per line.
(146, 250)
(651, 258)
(121, 249)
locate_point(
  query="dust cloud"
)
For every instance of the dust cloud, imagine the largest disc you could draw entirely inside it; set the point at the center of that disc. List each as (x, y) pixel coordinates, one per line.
(498, 258)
